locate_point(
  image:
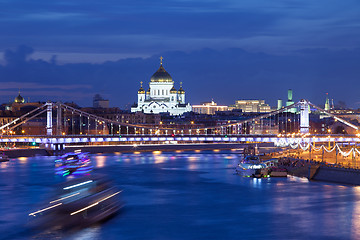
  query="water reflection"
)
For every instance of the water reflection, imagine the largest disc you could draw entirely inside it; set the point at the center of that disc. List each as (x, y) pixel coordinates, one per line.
(100, 161)
(23, 160)
(167, 192)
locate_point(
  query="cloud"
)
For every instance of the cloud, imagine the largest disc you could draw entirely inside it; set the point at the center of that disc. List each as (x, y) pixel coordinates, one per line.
(19, 55)
(143, 28)
(224, 75)
(31, 85)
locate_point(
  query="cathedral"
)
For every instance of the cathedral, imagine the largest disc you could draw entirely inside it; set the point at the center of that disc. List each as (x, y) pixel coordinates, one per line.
(161, 96)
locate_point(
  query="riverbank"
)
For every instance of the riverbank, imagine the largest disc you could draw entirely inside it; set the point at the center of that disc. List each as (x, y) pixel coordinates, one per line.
(14, 153)
(318, 171)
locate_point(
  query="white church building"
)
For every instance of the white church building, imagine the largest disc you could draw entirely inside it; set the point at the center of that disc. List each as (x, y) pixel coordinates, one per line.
(161, 96)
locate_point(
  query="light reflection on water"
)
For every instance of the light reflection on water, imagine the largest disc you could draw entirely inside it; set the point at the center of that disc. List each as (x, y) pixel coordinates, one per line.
(100, 161)
(169, 192)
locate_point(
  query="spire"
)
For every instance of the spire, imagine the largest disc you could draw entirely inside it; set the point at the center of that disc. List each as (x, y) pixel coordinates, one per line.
(141, 90)
(181, 90)
(327, 103)
(161, 58)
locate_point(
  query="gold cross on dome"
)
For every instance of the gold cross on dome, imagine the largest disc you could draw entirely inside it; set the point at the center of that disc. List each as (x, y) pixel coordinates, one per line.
(161, 58)
(180, 84)
(141, 83)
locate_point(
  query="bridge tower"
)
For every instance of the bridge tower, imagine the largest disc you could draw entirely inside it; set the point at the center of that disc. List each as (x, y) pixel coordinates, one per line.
(304, 116)
(49, 107)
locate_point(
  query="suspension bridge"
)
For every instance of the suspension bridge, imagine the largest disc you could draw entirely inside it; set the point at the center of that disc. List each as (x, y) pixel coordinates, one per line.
(61, 124)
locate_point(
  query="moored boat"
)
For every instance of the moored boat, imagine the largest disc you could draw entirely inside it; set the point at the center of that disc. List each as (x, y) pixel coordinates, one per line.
(278, 172)
(250, 166)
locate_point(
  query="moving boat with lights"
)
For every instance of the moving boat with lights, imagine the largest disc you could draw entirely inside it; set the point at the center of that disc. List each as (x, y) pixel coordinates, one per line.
(250, 166)
(74, 163)
(4, 158)
(79, 202)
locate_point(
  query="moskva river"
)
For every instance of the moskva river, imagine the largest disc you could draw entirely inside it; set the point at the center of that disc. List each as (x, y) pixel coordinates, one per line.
(185, 195)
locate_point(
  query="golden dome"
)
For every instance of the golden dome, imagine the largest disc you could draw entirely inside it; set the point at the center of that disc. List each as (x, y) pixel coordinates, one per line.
(173, 90)
(161, 75)
(141, 90)
(19, 99)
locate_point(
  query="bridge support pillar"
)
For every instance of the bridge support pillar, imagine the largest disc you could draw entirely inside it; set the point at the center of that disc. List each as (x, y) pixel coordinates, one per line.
(59, 149)
(304, 116)
(49, 118)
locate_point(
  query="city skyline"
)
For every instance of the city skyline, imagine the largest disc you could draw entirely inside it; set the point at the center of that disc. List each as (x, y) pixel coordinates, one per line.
(220, 50)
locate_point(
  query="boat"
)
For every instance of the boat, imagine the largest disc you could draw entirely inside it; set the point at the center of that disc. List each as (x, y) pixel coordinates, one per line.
(73, 163)
(250, 166)
(4, 158)
(278, 172)
(78, 203)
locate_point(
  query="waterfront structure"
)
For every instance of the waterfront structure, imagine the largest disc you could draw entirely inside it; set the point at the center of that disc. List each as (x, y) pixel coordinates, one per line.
(251, 106)
(208, 108)
(161, 97)
(279, 104)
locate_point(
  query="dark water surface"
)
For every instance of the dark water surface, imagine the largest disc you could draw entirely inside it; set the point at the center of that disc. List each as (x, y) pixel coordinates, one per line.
(186, 196)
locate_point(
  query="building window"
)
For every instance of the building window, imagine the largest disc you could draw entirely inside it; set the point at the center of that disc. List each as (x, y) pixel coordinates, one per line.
(163, 92)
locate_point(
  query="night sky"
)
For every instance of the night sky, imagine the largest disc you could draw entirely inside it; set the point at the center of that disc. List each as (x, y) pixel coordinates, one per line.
(69, 50)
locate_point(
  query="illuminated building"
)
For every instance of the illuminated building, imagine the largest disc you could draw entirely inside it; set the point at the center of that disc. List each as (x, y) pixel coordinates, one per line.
(327, 103)
(251, 106)
(290, 101)
(19, 99)
(208, 108)
(161, 96)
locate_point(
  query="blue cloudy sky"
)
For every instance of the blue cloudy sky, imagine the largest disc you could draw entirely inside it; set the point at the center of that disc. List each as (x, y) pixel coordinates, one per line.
(222, 49)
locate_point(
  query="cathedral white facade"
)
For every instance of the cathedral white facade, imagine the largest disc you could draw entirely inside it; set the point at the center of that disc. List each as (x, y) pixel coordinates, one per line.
(161, 96)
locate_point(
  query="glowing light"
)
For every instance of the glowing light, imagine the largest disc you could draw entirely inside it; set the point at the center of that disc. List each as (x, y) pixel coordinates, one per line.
(77, 185)
(216, 150)
(33, 214)
(83, 209)
(65, 197)
(90, 206)
(156, 152)
(136, 152)
(197, 151)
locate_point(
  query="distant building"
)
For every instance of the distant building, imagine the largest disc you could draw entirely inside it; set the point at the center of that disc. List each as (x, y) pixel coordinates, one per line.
(251, 106)
(208, 108)
(290, 101)
(161, 97)
(99, 102)
(327, 103)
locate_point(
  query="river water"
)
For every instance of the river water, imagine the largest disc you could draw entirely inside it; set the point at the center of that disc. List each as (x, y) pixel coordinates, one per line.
(186, 195)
